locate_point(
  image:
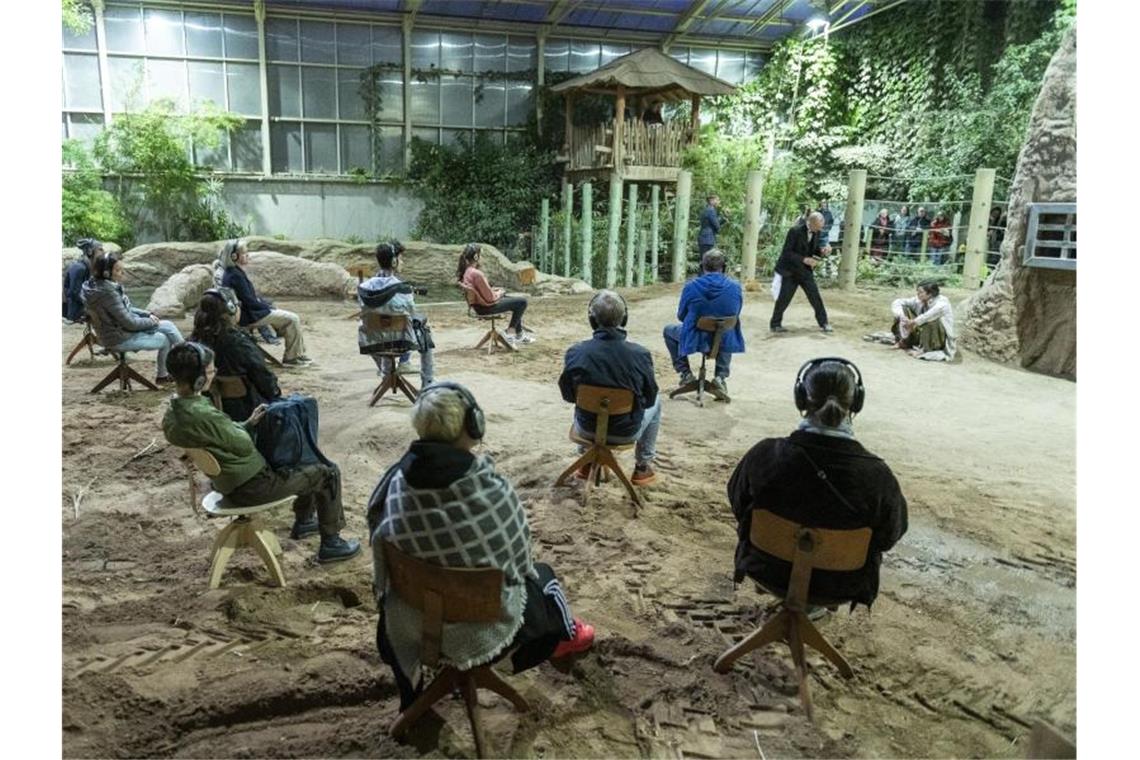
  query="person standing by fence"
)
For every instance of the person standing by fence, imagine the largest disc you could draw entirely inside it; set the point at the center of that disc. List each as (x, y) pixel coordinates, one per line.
(711, 222)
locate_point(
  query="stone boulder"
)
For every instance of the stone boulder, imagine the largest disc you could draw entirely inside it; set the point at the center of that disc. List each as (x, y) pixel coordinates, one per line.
(73, 253)
(152, 264)
(182, 292)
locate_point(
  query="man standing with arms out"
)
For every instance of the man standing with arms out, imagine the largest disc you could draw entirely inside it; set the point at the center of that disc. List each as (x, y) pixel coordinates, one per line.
(802, 248)
(711, 221)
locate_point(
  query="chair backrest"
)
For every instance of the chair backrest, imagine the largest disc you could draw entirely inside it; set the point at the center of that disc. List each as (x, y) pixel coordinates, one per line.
(443, 595)
(384, 322)
(603, 402)
(204, 461)
(718, 326)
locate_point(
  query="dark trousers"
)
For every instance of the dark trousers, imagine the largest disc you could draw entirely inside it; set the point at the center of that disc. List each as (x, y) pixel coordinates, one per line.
(788, 285)
(516, 306)
(681, 363)
(702, 247)
(316, 486)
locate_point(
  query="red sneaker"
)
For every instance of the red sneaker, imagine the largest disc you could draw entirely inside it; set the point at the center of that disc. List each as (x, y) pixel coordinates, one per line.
(583, 640)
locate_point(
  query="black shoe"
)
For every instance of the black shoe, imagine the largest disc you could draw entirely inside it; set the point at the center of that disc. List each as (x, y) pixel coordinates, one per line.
(778, 329)
(686, 378)
(303, 529)
(336, 549)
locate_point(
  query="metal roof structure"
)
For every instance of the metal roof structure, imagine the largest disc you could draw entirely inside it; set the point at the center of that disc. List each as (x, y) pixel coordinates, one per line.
(649, 70)
(734, 24)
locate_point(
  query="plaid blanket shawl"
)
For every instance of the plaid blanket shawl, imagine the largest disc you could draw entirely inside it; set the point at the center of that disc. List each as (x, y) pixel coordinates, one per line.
(477, 521)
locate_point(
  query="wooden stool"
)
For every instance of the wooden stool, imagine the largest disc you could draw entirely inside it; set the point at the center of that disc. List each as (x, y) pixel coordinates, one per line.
(494, 336)
(87, 341)
(806, 549)
(245, 529)
(393, 381)
(448, 595)
(718, 326)
(122, 371)
(602, 402)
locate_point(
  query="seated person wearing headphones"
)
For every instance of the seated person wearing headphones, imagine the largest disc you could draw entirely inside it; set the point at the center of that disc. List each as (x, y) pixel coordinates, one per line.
(265, 331)
(388, 294)
(246, 479)
(820, 477)
(119, 325)
(77, 273)
(713, 294)
(446, 505)
(609, 360)
(488, 300)
(235, 353)
(255, 312)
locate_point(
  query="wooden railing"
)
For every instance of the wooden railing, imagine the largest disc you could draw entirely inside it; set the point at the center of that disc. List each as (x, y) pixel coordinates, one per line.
(641, 145)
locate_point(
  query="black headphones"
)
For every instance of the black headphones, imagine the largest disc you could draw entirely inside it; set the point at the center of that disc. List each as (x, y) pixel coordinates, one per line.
(800, 390)
(594, 320)
(205, 356)
(473, 420)
(105, 265)
(229, 300)
(231, 251)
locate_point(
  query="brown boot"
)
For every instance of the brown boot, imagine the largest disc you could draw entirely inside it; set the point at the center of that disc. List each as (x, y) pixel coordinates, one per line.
(643, 475)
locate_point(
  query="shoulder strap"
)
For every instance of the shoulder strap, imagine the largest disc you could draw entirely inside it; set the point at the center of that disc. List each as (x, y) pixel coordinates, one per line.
(822, 475)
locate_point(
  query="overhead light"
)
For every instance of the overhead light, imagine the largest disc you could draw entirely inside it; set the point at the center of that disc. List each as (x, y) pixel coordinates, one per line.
(818, 23)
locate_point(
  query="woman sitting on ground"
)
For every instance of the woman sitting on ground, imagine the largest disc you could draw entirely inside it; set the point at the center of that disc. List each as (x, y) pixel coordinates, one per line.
(925, 324)
(235, 354)
(445, 505)
(118, 325)
(487, 300)
(256, 312)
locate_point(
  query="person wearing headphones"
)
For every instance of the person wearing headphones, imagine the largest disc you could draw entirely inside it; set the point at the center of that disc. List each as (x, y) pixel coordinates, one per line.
(444, 504)
(488, 300)
(119, 325)
(609, 360)
(924, 325)
(713, 294)
(235, 354)
(820, 477)
(256, 312)
(388, 294)
(246, 479)
(265, 331)
(77, 273)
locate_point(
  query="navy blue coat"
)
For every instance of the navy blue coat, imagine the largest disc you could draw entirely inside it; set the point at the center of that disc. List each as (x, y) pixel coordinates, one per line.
(609, 360)
(253, 308)
(710, 226)
(73, 280)
(713, 294)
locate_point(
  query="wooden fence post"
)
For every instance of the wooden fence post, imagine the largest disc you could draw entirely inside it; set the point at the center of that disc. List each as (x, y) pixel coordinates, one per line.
(852, 222)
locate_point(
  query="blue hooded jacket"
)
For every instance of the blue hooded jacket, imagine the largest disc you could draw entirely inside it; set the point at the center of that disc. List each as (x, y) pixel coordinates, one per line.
(711, 295)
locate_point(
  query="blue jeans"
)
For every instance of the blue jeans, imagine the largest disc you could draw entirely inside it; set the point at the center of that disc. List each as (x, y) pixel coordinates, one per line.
(161, 339)
(427, 364)
(681, 363)
(646, 437)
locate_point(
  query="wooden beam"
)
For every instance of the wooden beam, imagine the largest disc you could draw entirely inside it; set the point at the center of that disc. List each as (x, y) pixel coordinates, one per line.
(683, 23)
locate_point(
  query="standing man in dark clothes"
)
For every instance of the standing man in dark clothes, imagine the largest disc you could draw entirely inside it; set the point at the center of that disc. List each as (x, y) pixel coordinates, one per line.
(828, 221)
(802, 249)
(711, 222)
(78, 272)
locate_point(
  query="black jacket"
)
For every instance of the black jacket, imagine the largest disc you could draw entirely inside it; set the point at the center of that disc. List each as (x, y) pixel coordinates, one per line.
(609, 360)
(236, 354)
(798, 244)
(253, 308)
(775, 475)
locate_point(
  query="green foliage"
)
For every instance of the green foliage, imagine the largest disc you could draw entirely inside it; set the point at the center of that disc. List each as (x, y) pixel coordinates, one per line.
(354, 240)
(77, 16)
(88, 209)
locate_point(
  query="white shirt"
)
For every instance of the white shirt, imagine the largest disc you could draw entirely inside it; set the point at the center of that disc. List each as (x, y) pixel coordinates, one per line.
(936, 308)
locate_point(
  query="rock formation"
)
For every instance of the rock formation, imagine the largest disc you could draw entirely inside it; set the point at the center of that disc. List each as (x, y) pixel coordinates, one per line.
(73, 253)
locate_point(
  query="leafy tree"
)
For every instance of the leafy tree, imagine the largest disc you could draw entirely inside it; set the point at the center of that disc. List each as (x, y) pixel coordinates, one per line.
(77, 16)
(88, 209)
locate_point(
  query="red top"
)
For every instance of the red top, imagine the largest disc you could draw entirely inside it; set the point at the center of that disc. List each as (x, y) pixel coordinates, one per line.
(476, 282)
(940, 233)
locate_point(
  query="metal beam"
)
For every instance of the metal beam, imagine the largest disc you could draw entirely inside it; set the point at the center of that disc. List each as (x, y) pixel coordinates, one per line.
(683, 23)
(560, 10)
(878, 9)
(411, 8)
(852, 12)
(767, 17)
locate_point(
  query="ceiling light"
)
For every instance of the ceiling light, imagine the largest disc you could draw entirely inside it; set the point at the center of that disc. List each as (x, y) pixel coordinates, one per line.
(817, 23)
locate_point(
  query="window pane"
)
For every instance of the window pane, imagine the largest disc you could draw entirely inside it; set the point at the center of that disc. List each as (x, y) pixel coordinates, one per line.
(204, 34)
(349, 86)
(317, 42)
(280, 39)
(320, 148)
(522, 54)
(285, 147)
(557, 55)
(166, 79)
(455, 52)
(425, 101)
(752, 65)
(247, 147)
(611, 52)
(241, 37)
(127, 76)
(81, 82)
(490, 52)
(425, 50)
(164, 32)
(244, 82)
(519, 103)
(353, 43)
(389, 91)
(206, 82)
(391, 147)
(124, 29)
(85, 41)
(490, 103)
(455, 94)
(84, 127)
(392, 97)
(705, 60)
(355, 148)
(284, 84)
(584, 55)
(428, 135)
(217, 157)
(318, 88)
(730, 66)
(679, 54)
(452, 137)
(387, 47)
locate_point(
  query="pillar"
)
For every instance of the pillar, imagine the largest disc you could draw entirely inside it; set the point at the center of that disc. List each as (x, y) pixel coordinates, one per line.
(612, 230)
(654, 229)
(754, 190)
(979, 222)
(630, 233)
(567, 224)
(681, 223)
(852, 223)
(542, 245)
(587, 231)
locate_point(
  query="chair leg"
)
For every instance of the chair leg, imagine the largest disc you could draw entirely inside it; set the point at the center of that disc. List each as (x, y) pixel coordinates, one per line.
(385, 385)
(813, 638)
(584, 459)
(435, 691)
(87, 342)
(471, 702)
(224, 545)
(268, 356)
(273, 543)
(403, 385)
(111, 377)
(773, 630)
(795, 641)
(606, 459)
(255, 535)
(487, 678)
(488, 337)
(701, 384)
(506, 344)
(131, 374)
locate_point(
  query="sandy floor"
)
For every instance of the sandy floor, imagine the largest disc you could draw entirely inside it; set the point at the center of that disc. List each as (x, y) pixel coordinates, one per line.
(973, 635)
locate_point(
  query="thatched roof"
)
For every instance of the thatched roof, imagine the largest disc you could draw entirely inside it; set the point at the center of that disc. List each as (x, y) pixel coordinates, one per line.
(649, 71)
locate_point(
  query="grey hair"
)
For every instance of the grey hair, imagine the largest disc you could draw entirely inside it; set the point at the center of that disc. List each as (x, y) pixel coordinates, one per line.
(713, 260)
(226, 255)
(438, 415)
(815, 216)
(607, 308)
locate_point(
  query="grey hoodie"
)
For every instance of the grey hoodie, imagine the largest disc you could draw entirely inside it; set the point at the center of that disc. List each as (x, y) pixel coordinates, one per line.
(111, 312)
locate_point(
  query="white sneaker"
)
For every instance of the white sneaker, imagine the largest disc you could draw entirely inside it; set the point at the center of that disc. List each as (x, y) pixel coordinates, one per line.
(524, 338)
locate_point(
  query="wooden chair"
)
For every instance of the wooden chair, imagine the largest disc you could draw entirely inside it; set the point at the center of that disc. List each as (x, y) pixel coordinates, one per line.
(807, 549)
(264, 352)
(493, 337)
(88, 341)
(603, 402)
(718, 326)
(245, 529)
(122, 372)
(449, 595)
(393, 381)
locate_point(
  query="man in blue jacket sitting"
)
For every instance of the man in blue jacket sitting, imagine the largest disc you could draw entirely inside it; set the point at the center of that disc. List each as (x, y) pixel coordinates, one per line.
(713, 294)
(256, 312)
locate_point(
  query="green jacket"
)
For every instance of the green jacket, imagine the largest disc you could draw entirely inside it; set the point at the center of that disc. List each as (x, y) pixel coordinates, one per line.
(194, 423)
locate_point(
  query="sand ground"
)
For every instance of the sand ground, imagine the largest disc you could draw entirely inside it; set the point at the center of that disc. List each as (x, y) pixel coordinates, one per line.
(972, 637)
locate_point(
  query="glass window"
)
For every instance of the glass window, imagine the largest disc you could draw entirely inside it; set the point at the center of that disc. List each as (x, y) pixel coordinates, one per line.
(246, 147)
(285, 147)
(217, 157)
(281, 39)
(390, 144)
(519, 103)
(612, 52)
(490, 53)
(556, 55)
(679, 54)
(425, 50)
(349, 86)
(387, 46)
(241, 37)
(730, 66)
(522, 54)
(320, 148)
(392, 97)
(284, 84)
(355, 148)
(244, 83)
(353, 45)
(204, 34)
(124, 29)
(704, 60)
(164, 32)
(425, 100)
(455, 52)
(318, 43)
(491, 103)
(752, 65)
(318, 88)
(207, 83)
(84, 127)
(455, 137)
(85, 41)
(81, 82)
(455, 97)
(427, 135)
(166, 79)
(127, 77)
(584, 55)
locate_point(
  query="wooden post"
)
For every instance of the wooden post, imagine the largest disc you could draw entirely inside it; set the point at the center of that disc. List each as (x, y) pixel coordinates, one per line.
(979, 223)
(619, 127)
(642, 244)
(852, 222)
(540, 82)
(681, 224)
(752, 197)
(567, 224)
(406, 46)
(630, 233)
(695, 118)
(612, 230)
(654, 229)
(922, 247)
(544, 237)
(568, 108)
(587, 232)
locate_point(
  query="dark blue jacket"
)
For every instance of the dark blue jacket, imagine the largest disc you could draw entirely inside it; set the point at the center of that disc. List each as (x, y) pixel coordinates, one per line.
(609, 360)
(73, 280)
(798, 244)
(710, 226)
(710, 295)
(253, 308)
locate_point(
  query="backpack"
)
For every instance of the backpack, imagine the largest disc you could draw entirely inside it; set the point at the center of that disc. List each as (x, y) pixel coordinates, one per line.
(287, 435)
